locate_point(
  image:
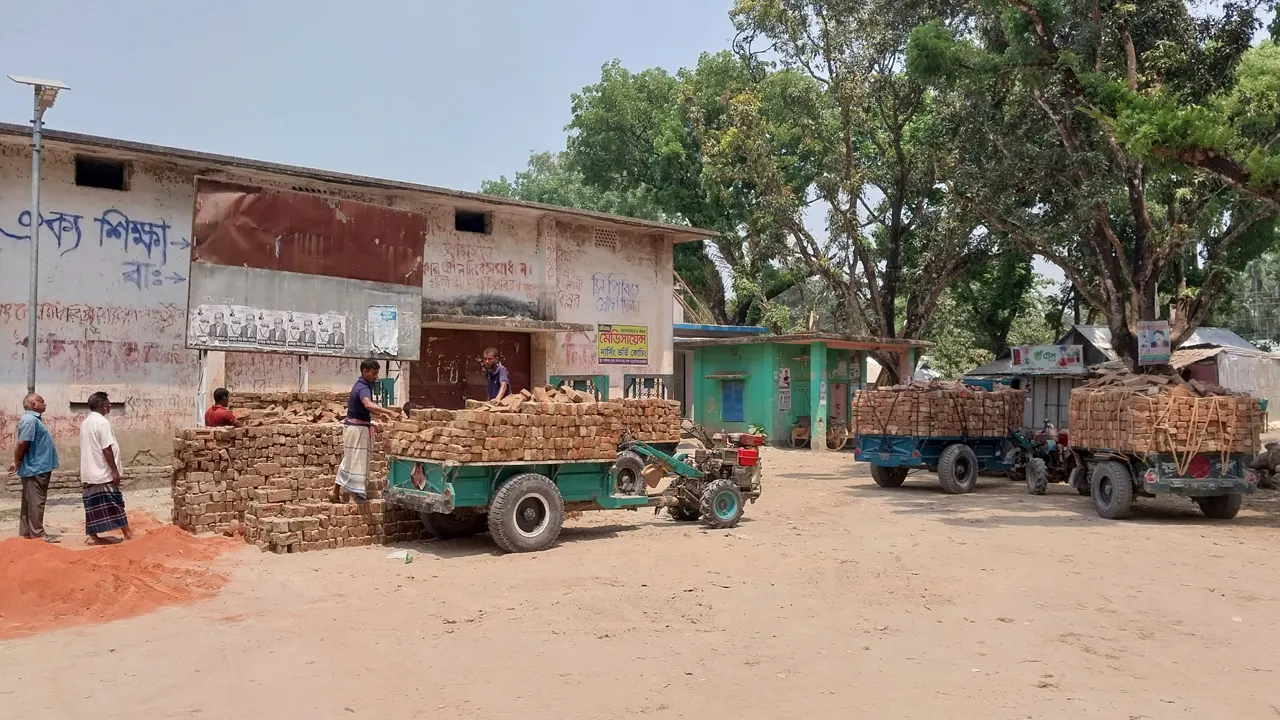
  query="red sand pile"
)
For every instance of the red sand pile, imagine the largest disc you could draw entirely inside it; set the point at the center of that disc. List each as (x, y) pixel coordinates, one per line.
(48, 587)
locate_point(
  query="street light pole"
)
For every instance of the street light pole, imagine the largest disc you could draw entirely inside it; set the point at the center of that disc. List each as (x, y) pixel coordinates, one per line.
(45, 92)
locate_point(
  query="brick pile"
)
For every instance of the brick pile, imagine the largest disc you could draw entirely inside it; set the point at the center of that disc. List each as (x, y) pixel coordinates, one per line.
(938, 409)
(651, 420)
(1164, 414)
(516, 431)
(248, 480)
(288, 408)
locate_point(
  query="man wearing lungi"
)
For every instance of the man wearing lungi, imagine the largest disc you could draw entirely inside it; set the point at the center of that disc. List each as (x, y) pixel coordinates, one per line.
(100, 474)
(357, 434)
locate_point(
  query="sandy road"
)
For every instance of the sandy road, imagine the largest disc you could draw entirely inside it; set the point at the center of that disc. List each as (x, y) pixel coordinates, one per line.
(834, 598)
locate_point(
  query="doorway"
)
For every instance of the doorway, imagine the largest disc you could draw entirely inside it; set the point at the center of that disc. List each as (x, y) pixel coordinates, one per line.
(448, 371)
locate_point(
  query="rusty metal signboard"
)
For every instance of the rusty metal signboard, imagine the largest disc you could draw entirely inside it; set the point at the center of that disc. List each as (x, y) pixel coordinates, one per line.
(293, 272)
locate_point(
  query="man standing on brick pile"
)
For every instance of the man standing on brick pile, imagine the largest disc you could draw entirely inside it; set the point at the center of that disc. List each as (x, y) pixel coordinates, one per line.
(34, 460)
(498, 379)
(220, 415)
(100, 474)
(357, 434)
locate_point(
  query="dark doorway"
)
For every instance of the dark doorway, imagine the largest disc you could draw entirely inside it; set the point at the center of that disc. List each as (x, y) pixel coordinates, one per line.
(448, 371)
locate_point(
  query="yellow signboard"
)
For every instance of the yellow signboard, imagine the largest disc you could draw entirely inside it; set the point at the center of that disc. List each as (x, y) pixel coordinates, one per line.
(622, 344)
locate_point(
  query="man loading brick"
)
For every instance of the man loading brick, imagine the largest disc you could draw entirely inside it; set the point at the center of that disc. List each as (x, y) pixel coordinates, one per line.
(220, 415)
(357, 433)
(498, 380)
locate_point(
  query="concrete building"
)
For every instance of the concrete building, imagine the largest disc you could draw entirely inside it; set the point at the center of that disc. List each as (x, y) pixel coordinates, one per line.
(535, 281)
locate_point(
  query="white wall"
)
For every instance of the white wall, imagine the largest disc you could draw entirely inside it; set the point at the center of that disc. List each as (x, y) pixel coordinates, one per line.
(113, 294)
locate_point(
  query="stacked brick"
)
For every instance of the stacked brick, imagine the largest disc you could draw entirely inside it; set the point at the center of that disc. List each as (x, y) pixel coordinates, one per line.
(1159, 414)
(514, 432)
(938, 409)
(289, 408)
(651, 420)
(249, 479)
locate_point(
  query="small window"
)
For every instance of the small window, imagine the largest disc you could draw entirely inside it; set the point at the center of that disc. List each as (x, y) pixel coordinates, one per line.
(472, 222)
(82, 408)
(604, 238)
(100, 173)
(731, 400)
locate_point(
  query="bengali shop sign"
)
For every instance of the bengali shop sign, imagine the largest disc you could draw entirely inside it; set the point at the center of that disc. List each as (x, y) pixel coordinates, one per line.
(1049, 358)
(622, 344)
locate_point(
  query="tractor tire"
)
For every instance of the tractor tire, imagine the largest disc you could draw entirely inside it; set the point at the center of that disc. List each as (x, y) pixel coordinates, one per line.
(526, 514)
(684, 513)
(957, 469)
(1037, 476)
(629, 479)
(1221, 507)
(1112, 489)
(722, 504)
(461, 523)
(888, 477)
(1079, 479)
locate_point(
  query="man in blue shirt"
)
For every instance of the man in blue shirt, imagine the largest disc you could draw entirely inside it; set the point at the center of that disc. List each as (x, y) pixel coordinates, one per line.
(357, 434)
(499, 381)
(34, 459)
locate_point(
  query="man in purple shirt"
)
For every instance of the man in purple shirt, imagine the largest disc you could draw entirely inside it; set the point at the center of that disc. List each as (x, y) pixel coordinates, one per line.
(498, 380)
(357, 433)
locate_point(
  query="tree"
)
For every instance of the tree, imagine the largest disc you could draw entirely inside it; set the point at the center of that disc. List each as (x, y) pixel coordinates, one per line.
(644, 132)
(550, 178)
(1044, 79)
(993, 294)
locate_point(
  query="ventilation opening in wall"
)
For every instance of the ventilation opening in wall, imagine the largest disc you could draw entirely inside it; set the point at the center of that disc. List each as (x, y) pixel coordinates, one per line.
(471, 221)
(605, 238)
(82, 408)
(100, 173)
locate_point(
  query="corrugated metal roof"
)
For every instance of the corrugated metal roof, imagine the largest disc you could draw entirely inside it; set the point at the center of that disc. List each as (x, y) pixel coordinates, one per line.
(1002, 365)
(1100, 337)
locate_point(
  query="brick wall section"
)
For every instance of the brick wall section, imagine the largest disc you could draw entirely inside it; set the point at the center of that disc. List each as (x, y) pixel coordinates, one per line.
(67, 482)
(273, 484)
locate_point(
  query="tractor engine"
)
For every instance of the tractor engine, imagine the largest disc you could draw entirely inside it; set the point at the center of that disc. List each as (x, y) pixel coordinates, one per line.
(735, 457)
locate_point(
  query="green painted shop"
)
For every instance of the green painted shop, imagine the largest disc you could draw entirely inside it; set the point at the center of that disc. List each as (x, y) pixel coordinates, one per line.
(777, 384)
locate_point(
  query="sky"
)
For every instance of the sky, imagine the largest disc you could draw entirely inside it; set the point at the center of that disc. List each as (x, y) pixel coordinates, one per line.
(442, 93)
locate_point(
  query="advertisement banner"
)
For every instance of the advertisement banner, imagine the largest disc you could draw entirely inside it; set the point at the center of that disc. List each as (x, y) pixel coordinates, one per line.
(622, 344)
(1153, 342)
(1049, 359)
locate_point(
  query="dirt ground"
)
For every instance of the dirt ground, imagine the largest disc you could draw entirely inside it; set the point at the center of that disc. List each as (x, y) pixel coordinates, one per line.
(833, 598)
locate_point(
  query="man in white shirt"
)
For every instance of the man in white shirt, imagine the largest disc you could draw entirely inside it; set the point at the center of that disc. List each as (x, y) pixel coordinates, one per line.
(100, 475)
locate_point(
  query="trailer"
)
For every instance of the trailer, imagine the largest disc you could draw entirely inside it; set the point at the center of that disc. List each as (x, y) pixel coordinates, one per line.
(1216, 482)
(522, 504)
(956, 459)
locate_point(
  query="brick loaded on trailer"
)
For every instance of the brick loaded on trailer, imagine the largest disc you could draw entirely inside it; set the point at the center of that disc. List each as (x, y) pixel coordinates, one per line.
(955, 430)
(1148, 435)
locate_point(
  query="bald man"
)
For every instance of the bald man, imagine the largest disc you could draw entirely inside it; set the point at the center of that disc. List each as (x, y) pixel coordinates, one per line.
(34, 460)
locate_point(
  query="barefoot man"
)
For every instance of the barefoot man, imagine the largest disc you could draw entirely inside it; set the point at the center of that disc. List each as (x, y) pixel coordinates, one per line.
(100, 474)
(357, 434)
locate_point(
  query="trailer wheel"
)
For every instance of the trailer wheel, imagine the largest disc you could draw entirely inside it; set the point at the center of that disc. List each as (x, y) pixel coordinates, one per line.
(1080, 480)
(722, 504)
(958, 469)
(461, 523)
(887, 477)
(1221, 507)
(1037, 476)
(526, 514)
(1112, 490)
(630, 466)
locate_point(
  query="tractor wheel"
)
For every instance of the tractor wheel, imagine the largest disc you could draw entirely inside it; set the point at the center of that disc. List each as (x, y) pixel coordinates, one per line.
(1079, 480)
(526, 514)
(684, 513)
(958, 469)
(1112, 490)
(461, 523)
(888, 477)
(1221, 507)
(722, 504)
(1037, 476)
(629, 479)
